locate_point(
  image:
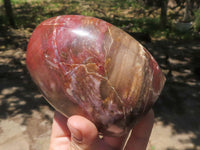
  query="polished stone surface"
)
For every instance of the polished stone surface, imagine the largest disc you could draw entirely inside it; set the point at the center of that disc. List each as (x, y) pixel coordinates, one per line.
(86, 66)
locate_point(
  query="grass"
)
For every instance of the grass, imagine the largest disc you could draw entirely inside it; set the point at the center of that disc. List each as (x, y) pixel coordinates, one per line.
(197, 20)
(153, 148)
(125, 14)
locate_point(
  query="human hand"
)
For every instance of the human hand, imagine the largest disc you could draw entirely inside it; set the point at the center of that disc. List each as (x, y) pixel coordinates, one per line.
(78, 133)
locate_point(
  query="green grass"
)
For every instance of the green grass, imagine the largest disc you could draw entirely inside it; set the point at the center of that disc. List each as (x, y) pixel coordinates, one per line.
(197, 20)
(125, 14)
(153, 148)
(15, 2)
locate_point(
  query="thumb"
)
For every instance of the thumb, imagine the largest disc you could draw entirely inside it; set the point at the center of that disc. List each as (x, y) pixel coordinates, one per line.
(83, 133)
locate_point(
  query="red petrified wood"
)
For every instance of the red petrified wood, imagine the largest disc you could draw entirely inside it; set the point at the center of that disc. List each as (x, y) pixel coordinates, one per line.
(86, 66)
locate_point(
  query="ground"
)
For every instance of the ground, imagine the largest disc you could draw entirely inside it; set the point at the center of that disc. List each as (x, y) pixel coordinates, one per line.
(26, 118)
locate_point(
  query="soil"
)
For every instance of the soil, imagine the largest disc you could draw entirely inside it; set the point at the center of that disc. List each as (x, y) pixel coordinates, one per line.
(26, 118)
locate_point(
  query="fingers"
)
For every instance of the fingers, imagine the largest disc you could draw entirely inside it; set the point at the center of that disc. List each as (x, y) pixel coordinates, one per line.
(141, 133)
(78, 133)
(60, 133)
(75, 133)
(83, 133)
(60, 126)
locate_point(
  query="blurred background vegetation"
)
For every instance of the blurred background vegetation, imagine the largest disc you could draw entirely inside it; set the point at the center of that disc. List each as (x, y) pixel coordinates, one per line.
(175, 19)
(170, 29)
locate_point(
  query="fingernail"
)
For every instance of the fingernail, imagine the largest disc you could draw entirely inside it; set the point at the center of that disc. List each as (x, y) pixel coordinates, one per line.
(75, 134)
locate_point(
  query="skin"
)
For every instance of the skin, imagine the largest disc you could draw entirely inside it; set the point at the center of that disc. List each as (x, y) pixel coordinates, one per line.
(78, 133)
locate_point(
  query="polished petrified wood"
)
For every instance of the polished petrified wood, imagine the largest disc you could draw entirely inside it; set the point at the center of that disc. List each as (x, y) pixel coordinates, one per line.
(86, 66)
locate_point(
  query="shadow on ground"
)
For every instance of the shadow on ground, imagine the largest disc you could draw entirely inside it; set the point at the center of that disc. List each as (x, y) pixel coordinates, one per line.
(179, 103)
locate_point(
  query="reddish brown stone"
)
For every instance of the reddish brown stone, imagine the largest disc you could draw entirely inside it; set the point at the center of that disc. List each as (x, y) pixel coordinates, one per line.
(86, 66)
